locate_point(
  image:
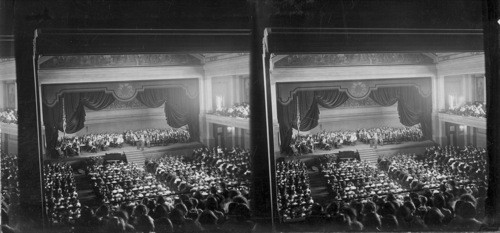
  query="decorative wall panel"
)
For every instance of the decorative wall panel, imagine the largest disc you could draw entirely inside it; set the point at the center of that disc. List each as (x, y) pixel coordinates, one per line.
(121, 105)
(352, 103)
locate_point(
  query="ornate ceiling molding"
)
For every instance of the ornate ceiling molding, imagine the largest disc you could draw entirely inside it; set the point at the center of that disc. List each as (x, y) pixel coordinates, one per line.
(122, 91)
(357, 90)
(124, 60)
(365, 59)
(454, 56)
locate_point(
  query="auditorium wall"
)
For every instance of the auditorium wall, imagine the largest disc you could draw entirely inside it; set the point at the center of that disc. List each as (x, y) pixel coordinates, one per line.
(481, 138)
(119, 120)
(357, 118)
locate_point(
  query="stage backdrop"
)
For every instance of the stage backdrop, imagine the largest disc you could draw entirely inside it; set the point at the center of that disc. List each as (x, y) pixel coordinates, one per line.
(179, 99)
(302, 100)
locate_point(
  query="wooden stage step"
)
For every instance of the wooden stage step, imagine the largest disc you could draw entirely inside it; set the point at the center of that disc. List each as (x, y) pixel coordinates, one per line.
(136, 157)
(368, 154)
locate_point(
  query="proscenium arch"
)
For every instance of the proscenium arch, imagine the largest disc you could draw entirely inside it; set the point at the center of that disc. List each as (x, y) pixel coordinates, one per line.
(287, 91)
(51, 93)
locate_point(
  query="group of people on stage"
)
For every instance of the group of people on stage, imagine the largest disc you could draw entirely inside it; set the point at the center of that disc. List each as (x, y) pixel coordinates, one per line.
(328, 140)
(294, 195)
(156, 137)
(96, 142)
(302, 145)
(390, 135)
(60, 194)
(92, 143)
(206, 168)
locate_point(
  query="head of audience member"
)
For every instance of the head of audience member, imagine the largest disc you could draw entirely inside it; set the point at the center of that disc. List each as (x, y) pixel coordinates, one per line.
(434, 218)
(372, 221)
(389, 223)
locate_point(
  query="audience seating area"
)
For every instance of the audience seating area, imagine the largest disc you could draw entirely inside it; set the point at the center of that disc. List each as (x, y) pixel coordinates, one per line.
(10, 187)
(121, 182)
(352, 179)
(206, 168)
(209, 191)
(443, 189)
(294, 196)
(60, 195)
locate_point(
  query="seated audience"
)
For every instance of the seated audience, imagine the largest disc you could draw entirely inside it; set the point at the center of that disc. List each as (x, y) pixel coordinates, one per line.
(60, 194)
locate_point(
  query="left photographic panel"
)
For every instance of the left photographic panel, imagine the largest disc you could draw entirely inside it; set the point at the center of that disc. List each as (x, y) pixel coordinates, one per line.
(8, 133)
(153, 132)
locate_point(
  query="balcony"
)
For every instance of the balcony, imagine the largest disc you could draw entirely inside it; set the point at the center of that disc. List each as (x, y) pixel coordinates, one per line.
(242, 123)
(10, 129)
(477, 122)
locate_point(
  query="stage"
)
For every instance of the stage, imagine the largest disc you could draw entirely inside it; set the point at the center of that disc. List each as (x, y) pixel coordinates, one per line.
(184, 149)
(366, 152)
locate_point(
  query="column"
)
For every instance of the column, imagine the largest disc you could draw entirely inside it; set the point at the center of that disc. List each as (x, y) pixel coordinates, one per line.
(29, 157)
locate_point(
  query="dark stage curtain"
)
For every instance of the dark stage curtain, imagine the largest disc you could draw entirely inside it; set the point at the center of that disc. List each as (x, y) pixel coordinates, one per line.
(413, 108)
(309, 102)
(75, 103)
(52, 117)
(74, 110)
(180, 110)
(152, 98)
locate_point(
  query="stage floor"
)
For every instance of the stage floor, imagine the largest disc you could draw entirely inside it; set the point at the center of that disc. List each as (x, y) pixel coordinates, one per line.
(127, 149)
(362, 146)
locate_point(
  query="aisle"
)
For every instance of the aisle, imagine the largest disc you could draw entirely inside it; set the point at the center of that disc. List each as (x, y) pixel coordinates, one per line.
(84, 190)
(317, 184)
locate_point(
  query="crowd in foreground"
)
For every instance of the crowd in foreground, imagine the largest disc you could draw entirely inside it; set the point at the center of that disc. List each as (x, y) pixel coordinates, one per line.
(121, 182)
(208, 191)
(96, 142)
(10, 188)
(60, 194)
(438, 210)
(441, 189)
(221, 210)
(294, 195)
(205, 168)
(356, 179)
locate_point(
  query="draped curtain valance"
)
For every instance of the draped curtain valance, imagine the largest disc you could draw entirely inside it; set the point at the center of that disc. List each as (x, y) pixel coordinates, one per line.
(180, 110)
(308, 103)
(413, 108)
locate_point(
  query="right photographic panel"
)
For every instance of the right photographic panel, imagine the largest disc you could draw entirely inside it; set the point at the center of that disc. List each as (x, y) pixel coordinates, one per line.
(372, 140)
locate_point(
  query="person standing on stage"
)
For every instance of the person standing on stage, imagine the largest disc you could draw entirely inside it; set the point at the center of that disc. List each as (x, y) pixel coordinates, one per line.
(141, 141)
(136, 141)
(375, 139)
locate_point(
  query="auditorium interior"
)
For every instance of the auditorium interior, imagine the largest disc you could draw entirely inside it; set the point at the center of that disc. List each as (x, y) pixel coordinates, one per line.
(311, 121)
